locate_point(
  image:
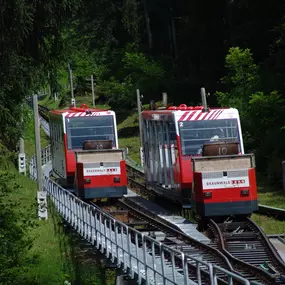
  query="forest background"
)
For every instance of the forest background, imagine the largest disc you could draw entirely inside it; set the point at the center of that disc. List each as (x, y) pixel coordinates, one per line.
(235, 49)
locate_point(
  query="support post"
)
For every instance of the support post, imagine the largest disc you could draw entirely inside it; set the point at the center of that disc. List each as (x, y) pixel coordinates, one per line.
(92, 88)
(140, 124)
(22, 155)
(120, 280)
(55, 98)
(49, 86)
(71, 85)
(41, 194)
(204, 100)
(174, 37)
(164, 99)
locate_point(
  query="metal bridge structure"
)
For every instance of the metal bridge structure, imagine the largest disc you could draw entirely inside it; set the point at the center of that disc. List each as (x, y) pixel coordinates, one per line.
(137, 254)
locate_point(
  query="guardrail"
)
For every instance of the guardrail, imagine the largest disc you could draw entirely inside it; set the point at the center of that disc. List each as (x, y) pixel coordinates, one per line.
(139, 255)
(45, 158)
(44, 125)
(271, 211)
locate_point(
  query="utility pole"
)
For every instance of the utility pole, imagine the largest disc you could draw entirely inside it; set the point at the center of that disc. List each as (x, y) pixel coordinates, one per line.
(92, 88)
(164, 99)
(55, 98)
(204, 99)
(41, 194)
(140, 125)
(22, 155)
(174, 37)
(71, 84)
(49, 86)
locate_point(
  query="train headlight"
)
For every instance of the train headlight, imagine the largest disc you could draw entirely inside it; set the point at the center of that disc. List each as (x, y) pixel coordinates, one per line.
(117, 179)
(244, 192)
(208, 194)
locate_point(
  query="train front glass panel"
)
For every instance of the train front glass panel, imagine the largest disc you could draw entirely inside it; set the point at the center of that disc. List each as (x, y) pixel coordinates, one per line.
(80, 129)
(194, 134)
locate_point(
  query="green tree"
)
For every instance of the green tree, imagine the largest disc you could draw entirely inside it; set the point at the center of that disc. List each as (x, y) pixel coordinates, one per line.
(31, 45)
(241, 80)
(136, 71)
(262, 114)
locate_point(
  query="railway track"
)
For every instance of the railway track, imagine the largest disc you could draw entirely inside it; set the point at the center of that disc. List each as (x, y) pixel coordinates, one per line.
(244, 268)
(247, 248)
(172, 237)
(131, 214)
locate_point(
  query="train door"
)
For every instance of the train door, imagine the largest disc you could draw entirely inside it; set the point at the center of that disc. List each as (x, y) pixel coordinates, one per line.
(161, 157)
(147, 149)
(157, 161)
(173, 152)
(168, 156)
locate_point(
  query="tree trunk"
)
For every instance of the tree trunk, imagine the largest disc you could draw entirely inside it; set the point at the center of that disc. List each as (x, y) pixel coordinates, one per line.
(147, 21)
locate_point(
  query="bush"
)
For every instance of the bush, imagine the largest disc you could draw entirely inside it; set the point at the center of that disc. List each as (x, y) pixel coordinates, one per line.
(261, 114)
(14, 226)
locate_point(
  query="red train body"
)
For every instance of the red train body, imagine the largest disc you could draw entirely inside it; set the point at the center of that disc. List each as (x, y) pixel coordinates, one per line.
(196, 157)
(85, 153)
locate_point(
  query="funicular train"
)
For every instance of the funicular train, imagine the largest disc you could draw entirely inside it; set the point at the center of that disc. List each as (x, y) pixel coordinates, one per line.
(195, 156)
(85, 153)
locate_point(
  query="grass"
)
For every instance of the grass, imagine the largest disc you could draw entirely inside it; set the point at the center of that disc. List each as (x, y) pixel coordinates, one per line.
(132, 144)
(128, 133)
(87, 99)
(267, 195)
(269, 225)
(270, 196)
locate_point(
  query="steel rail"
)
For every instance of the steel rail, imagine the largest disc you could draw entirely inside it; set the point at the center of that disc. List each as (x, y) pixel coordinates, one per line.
(252, 272)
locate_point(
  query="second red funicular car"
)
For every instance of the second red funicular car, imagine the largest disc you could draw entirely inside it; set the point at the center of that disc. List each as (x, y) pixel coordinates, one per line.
(195, 156)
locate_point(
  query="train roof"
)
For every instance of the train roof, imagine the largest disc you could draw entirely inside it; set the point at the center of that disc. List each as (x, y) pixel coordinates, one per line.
(82, 111)
(184, 113)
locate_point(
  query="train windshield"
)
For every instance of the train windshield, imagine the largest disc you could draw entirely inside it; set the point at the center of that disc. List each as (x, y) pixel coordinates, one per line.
(80, 129)
(194, 134)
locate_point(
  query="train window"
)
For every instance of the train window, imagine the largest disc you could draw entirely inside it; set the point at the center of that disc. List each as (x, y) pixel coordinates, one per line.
(172, 133)
(194, 134)
(80, 129)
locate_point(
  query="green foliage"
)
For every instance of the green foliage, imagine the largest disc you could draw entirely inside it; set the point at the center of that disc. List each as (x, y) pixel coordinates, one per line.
(242, 71)
(82, 63)
(118, 94)
(136, 71)
(242, 79)
(262, 115)
(14, 241)
(30, 41)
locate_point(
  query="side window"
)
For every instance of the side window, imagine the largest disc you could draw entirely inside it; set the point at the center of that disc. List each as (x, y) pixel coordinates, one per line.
(172, 133)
